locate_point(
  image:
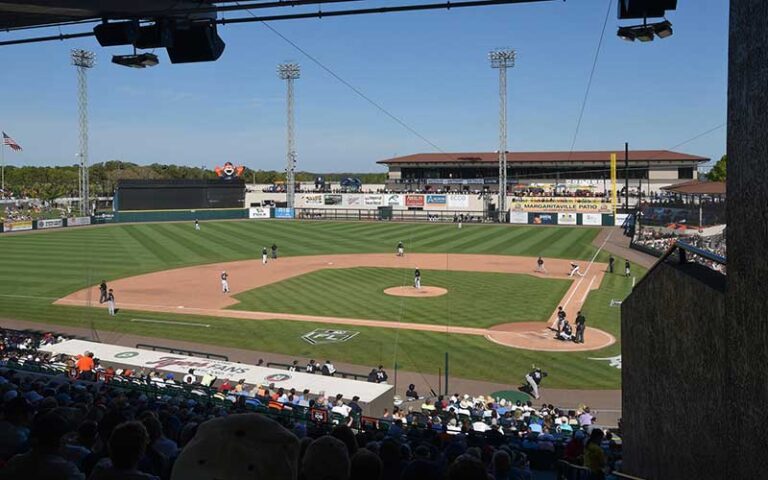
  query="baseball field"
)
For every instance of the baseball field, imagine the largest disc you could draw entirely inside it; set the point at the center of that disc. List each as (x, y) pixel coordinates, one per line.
(490, 317)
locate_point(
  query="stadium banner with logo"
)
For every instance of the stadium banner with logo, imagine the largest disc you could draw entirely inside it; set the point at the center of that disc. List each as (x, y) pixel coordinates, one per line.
(334, 199)
(558, 204)
(458, 201)
(259, 212)
(542, 218)
(315, 199)
(394, 200)
(18, 226)
(620, 218)
(284, 213)
(437, 200)
(77, 221)
(50, 223)
(414, 200)
(518, 217)
(373, 200)
(566, 218)
(253, 375)
(591, 218)
(353, 200)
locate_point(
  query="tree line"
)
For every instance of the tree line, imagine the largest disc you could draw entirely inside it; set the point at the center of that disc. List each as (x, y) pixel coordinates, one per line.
(48, 183)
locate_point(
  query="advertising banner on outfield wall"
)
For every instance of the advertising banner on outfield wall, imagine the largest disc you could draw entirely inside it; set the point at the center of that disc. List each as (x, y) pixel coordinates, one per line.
(437, 200)
(414, 200)
(458, 201)
(75, 221)
(518, 217)
(394, 200)
(315, 199)
(333, 199)
(259, 212)
(557, 204)
(544, 218)
(284, 213)
(17, 226)
(373, 200)
(566, 218)
(50, 223)
(592, 219)
(353, 200)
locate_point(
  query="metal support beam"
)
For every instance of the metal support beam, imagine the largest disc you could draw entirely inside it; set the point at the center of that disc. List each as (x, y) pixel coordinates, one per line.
(502, 60)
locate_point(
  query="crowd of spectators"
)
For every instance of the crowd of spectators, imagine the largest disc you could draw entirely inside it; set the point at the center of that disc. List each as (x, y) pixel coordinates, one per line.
(93, 421)
(19, 212)
(660, 241)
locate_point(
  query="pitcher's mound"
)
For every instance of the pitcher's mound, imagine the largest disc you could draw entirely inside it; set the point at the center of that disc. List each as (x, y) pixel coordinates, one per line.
(416, 292)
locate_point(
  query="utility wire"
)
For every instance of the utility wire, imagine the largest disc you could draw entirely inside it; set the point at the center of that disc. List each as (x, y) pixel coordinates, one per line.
(591, 76)
(347, 84)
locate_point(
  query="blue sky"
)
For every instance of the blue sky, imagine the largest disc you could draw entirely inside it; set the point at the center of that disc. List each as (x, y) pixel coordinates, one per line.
(430, 69)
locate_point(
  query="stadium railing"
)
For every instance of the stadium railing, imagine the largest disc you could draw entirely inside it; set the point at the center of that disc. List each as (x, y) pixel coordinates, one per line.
(354, 376)
(570, 471)
(180, 351)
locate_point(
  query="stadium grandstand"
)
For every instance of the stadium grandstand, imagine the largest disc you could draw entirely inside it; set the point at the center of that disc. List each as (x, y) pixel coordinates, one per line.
(579, 173)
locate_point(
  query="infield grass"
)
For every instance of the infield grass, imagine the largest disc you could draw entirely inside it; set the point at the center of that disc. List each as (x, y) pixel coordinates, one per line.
(474, 299)
(37, 269)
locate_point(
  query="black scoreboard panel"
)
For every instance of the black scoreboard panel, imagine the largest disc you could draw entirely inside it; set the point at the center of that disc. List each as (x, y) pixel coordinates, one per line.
(180, 194)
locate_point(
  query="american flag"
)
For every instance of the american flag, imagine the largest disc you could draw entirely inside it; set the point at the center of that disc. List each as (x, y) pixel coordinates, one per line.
(11, 143)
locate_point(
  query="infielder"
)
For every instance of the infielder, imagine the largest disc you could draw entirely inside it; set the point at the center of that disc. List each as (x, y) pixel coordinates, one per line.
(540, 266)
(417, 278)
(224, 282)
(400, 249)
(111, 302)
(264, 255)
(575, 270)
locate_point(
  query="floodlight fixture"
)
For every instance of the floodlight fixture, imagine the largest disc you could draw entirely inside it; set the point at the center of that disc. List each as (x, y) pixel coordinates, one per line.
(663, 29)
(289, 71)
(502, 58)
(83, 58)
(645, 32)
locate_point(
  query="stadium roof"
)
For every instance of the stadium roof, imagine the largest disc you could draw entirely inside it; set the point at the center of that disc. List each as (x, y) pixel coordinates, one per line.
(697, 187)
(545, 157)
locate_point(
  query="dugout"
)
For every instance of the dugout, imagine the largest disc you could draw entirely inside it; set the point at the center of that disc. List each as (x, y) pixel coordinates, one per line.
(187, 194)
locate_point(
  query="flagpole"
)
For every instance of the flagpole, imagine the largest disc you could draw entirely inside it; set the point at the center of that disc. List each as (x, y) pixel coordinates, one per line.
(2, 166)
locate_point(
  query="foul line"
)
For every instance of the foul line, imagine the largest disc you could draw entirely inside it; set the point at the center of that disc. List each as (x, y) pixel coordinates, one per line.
(589, 265)
(168, 322)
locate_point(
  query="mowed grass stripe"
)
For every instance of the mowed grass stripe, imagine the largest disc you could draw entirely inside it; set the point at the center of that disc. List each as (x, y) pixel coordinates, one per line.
(475, 299)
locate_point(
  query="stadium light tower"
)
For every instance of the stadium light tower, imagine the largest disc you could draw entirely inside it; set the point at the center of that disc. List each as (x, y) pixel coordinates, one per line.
(290, 72)
(502, 59)
(83, 60)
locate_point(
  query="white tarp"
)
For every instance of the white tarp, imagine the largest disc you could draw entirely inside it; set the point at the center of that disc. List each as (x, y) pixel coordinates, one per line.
(253, 375)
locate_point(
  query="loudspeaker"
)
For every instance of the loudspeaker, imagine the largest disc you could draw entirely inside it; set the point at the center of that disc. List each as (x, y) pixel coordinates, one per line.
(116, 33)
(158, 35)
(198, 43)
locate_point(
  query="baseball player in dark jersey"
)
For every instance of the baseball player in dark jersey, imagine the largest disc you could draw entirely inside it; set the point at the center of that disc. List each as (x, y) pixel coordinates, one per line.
(274, 251)
(417, 278)
(103, 291)
(400, 249)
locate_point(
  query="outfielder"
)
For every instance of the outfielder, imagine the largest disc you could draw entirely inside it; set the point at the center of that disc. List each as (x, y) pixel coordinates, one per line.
(575, 270)
(197, 225)
(224, 282)
(264, 255)
(400, 249)
(417, 278)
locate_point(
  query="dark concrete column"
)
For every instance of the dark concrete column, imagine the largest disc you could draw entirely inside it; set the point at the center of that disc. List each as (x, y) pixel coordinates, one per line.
(747, 234)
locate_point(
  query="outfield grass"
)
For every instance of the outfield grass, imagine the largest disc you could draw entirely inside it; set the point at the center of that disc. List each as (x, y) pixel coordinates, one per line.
(474, 299)
(36, 269)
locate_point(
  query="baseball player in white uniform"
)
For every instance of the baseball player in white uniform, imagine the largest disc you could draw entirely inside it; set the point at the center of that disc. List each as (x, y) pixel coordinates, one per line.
(264, 255)
(417, 278)
(575, 270)
(224, 282)
(400, 249)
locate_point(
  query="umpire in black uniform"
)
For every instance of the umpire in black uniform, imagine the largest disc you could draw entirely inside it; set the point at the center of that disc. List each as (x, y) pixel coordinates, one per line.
(103, 291)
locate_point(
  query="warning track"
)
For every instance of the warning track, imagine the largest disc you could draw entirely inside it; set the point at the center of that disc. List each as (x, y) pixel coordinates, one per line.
(197, 290)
